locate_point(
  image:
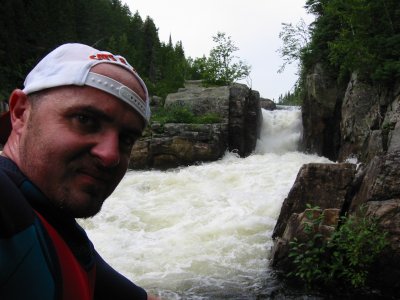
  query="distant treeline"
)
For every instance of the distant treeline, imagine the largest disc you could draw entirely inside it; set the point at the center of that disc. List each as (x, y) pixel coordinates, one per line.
(348, 36)
(31, 28)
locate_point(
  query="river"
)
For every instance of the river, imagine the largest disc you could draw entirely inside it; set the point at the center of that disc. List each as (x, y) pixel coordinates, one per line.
(204, 232)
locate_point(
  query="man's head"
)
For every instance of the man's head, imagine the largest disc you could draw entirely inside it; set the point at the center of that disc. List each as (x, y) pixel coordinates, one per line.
(74, 124)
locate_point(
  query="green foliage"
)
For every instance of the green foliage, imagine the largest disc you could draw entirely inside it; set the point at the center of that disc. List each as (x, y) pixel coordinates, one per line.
(295, 40)
(172, 68)
(290, 98)
(196, 68)
(296, 45)
(208, 118)
(182, 114)
(173, 114)
(221, 67)
(33, 28)
(354, 248)
(355, 35)
(346, 256)
(308, 256)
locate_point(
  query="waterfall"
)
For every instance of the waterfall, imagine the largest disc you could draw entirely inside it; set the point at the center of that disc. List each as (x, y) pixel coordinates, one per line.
(281, 131)
(203, 232)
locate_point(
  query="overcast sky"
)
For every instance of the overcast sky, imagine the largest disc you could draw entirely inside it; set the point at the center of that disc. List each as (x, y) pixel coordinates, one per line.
(253, 26)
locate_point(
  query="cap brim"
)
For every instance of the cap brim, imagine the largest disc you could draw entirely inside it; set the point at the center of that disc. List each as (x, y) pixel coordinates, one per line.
(5, 127)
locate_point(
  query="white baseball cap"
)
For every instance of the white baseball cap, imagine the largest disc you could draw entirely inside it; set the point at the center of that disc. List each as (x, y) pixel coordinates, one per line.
(70, 64)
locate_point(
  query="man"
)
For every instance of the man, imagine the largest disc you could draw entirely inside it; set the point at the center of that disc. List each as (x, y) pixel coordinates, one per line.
(67, 140)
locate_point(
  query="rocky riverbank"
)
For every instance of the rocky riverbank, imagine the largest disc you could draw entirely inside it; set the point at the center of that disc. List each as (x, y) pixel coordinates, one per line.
(357, 123)
(178, 144)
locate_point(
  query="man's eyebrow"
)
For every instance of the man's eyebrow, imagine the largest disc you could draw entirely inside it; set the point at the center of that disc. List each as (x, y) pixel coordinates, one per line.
(93, 111)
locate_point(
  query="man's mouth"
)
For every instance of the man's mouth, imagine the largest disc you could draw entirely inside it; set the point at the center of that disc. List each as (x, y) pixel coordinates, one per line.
(94, 176)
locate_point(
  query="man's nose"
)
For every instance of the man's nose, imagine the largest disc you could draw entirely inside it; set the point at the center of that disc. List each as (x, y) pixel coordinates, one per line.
(107, 149)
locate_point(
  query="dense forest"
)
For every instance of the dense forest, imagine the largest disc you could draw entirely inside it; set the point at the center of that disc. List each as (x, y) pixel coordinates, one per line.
(31, 28)
(347, 36)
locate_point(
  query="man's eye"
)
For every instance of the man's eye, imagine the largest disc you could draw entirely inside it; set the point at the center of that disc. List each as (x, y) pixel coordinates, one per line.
(128, 140)
(87, 122)
(83, 119)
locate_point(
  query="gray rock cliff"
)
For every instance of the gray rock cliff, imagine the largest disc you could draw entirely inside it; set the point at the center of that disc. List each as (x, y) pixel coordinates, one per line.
(179, 144)
(360, 121)
(320, 111)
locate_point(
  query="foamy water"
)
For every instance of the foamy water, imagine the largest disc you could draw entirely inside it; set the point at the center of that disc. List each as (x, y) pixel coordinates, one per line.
(203, 232)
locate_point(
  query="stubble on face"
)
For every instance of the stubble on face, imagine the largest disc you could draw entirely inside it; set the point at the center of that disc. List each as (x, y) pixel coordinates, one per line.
(77, 165)
(54, 170)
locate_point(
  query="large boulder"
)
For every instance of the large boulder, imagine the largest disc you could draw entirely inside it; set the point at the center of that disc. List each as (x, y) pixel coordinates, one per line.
(267, 104)
(380, 180)
(325, 186)
(174, 145)
(339, 189)
(387, 269)
(245, 119)
(380, 189)
(201, 100)
(379, 193)
(317, 184)
(177, 144)
(360, 121)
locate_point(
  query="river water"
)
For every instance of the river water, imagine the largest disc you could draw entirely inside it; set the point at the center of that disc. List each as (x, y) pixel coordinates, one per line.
(204, 232)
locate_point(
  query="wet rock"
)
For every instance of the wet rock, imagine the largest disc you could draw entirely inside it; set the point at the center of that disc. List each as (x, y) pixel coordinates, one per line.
(174, 145)
(245, 119)
(325, 186)
(322, 185)
(379, 193)
(178, 144)
(339, 190)
(267, 104)
(381, 180)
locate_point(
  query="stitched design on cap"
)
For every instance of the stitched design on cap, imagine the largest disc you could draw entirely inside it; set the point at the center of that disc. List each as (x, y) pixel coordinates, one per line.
(120, 91)
(110, 57)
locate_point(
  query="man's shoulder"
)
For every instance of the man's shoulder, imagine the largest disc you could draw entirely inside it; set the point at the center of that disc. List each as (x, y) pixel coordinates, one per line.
(24, 272)
(15, 212)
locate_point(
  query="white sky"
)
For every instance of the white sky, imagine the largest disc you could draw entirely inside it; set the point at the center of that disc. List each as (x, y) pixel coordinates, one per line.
(253, 26)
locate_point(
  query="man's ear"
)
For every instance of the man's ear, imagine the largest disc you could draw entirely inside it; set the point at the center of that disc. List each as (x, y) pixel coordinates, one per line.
(19, 110)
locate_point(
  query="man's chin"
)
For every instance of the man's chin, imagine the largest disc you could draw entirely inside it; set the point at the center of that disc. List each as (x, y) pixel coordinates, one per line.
(84, 212)
(84, 207)
(87, 213)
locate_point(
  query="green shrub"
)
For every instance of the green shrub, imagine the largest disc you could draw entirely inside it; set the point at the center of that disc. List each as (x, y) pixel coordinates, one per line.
(346, 256)
(308, 256)
(354, 248)
(182, 114)
(208, 118)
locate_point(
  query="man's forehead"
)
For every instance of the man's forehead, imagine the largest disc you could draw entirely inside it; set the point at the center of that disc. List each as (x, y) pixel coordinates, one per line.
(88, 99)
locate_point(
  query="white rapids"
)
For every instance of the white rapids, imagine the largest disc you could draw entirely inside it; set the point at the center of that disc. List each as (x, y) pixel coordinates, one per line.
(203, 232)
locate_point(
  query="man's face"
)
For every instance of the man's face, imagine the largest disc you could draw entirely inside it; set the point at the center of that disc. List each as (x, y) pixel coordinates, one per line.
(77, 143)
